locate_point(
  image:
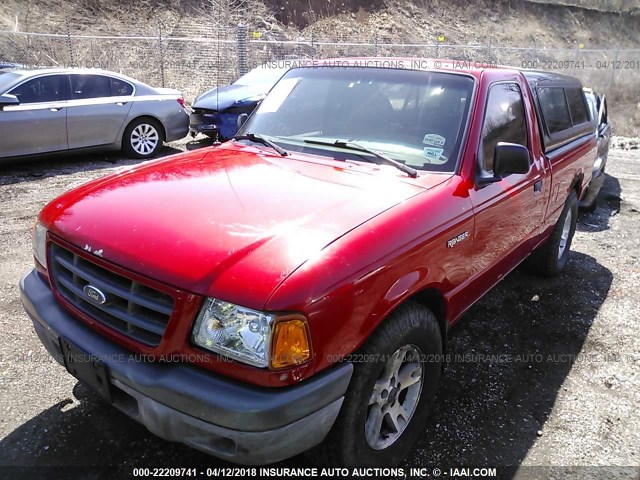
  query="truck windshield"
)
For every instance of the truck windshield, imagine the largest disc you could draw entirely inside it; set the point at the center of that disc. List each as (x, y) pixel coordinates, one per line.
(414, 117)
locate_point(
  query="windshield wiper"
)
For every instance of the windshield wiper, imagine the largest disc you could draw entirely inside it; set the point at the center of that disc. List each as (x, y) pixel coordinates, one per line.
(356, 146)
(254, 137)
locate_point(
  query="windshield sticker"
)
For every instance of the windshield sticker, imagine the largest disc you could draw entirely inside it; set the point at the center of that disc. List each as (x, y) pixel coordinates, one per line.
(433, 153)
(434, 140)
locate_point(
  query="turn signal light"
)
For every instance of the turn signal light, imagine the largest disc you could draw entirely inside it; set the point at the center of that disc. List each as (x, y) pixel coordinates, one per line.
(291, 344)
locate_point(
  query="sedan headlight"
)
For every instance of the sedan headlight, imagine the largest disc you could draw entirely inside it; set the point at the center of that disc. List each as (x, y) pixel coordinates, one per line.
(246, 335)
(597, 164)
(40, 243)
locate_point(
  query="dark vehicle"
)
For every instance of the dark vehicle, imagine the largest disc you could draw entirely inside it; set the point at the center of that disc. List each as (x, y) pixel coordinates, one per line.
(5, 64)
(599, 114)
(215, 113)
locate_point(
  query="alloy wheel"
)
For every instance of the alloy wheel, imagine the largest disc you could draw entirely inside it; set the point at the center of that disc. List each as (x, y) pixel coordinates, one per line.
(394, 398)
(144, 139)
(564, 236)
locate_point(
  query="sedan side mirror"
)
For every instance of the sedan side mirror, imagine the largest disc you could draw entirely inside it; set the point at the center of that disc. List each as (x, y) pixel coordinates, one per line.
(8, 99)
(510, 158)
(241, 119)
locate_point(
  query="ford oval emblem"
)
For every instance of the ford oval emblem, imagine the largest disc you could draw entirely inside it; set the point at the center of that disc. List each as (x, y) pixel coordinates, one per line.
(95, 295)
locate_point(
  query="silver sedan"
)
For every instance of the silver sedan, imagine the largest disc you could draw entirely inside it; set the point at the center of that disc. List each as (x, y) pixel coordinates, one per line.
(56, 110)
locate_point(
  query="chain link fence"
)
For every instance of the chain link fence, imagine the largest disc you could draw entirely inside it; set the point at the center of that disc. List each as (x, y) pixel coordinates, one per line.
(198, 58)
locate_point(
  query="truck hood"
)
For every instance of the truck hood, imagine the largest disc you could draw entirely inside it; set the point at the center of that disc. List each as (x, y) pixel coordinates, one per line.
(224, 97)
(231, 222)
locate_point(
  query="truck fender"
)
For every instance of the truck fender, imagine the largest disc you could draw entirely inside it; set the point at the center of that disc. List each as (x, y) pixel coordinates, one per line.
(408, 288)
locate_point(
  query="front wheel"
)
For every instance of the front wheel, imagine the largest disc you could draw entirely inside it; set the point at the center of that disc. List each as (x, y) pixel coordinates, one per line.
(395, 380)
(142, 138)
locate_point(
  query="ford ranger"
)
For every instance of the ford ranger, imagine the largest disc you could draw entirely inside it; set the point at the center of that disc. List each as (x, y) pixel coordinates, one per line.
(293, 288)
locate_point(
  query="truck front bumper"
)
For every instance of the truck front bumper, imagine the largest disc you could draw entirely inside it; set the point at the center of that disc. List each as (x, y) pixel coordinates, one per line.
(178, 402)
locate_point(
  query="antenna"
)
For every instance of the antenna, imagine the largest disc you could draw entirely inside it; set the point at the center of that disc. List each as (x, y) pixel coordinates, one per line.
(218, 60)
(217, 4)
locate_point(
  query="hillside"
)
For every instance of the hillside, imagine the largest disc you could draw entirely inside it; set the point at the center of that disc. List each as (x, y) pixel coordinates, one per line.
(528, 27)
(518, 23)
(624, 6)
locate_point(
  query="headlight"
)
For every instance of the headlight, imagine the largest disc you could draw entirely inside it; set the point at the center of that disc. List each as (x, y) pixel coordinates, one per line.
(234, 332)
(40, 244)
(598, 163)
(246, 335)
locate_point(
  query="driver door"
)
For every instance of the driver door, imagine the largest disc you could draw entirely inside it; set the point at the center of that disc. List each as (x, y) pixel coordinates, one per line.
(39, 123)
(508, 212)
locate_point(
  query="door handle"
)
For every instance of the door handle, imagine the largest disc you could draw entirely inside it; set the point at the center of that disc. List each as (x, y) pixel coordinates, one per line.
(121, 103)
(55, 109)
(537, 186)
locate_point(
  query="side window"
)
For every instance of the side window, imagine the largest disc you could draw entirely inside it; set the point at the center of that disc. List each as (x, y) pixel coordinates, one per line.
(593, 107)
(120, 88)
(577, 108)
(89, 86)
(51, 88)
(504, 121)
(554, 109)
(604, 119)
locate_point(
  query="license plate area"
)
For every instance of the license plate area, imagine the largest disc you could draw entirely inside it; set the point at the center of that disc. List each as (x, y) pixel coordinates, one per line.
(87, 369)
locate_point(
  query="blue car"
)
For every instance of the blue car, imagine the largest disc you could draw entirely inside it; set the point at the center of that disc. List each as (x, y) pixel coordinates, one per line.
(5, 64)
(215, 112)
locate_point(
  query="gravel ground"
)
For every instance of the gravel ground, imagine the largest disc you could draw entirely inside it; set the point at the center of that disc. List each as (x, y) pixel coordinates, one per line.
(543, 372)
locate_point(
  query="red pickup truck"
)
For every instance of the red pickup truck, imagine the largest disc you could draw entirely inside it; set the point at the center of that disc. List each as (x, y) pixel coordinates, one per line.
(293, 287)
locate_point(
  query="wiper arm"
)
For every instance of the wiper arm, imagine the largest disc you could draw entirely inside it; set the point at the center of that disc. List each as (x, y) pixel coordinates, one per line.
(254, 137)
(356, 146)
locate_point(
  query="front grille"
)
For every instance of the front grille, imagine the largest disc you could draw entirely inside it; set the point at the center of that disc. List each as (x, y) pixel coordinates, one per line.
(136, 310)
(204, 112)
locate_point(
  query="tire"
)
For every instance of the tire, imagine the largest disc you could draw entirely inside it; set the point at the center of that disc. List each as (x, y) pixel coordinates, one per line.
(411, 333)
(592, 207)
(142, 138)
(551, 257)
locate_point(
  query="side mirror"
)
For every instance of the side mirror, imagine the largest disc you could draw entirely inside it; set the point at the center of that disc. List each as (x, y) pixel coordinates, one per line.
(510, 158)
(8, 99)
(241, 119)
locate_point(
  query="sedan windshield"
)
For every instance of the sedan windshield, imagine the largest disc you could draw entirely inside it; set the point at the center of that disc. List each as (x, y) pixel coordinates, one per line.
(414, 117)
(7, 79)
(262, 75)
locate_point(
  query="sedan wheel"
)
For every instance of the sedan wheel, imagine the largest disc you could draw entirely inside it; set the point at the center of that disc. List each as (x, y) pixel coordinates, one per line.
(143, 138)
